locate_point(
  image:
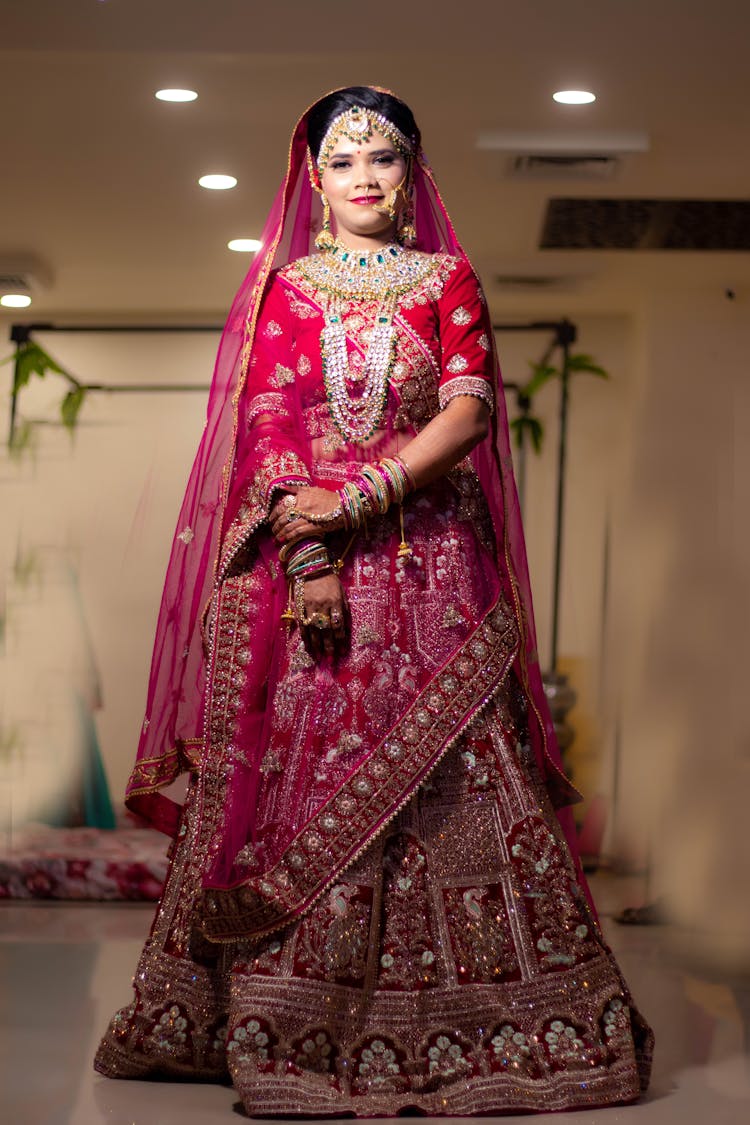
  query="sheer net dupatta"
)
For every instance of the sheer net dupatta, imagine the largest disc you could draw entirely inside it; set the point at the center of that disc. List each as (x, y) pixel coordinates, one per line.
(172, 736)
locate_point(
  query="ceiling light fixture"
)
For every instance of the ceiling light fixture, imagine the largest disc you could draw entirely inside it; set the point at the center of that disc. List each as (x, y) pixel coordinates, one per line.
(574, 97)
(218, 182)
(176, 95)
(244, 245)
(15, 300)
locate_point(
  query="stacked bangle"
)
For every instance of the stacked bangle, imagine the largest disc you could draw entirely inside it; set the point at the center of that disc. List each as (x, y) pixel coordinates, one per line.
(307, 559)
(374, 490)
(398, 476)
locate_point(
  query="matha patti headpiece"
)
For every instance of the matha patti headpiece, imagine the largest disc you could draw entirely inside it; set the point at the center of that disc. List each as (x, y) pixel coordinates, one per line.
(359, 124)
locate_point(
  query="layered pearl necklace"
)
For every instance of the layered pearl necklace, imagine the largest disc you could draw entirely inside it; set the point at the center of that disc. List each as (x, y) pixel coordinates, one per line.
(342, 275)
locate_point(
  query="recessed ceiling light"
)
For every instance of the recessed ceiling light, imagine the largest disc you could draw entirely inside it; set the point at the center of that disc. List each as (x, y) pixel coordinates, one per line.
(15, 300)
(244, 245)
(176, 95)
(574, 97)
(218, 182)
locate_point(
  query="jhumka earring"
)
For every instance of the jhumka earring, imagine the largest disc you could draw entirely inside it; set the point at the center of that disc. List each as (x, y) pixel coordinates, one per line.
(406, 232)
(325, 239)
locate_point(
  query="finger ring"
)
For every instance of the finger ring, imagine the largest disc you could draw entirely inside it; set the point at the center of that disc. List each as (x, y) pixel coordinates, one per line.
(336, 617)
(320, 620)
(288, 501)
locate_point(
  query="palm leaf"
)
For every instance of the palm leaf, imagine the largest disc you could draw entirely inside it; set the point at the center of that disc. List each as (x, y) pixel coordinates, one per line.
(70, 406)
(585, 364)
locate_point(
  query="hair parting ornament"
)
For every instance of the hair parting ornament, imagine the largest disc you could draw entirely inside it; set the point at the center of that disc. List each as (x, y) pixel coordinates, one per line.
(358, 124)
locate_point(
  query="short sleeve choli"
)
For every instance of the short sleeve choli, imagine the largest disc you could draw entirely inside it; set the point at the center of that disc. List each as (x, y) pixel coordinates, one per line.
(467, 362)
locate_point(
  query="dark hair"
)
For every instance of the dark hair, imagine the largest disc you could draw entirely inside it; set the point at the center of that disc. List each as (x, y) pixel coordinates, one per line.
(329, 107)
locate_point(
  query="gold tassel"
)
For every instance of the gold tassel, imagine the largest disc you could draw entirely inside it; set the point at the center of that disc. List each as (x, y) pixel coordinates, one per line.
(404, 550)
(325, 240)
(287, 617)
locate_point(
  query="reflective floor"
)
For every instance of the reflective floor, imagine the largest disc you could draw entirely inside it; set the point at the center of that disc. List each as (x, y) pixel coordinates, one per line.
(64, 968)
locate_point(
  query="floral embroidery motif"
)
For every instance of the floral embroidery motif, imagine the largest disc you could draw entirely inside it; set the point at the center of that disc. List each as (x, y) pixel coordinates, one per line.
(315, 1051)
(378, 1064)
(251, 1039)
(461, 316)
(301, 309)
(456, 364)
(273, 329)
(558, 917)
(187, 535)
(281, 375)
(304, 365)
(448, 1057)
(616, 1022)
(408, 957)
(170, 1032)
(484, 342)
(510, 1050)
(570, 1047)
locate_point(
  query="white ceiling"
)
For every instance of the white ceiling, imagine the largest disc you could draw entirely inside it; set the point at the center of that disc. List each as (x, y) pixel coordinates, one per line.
(99, 179)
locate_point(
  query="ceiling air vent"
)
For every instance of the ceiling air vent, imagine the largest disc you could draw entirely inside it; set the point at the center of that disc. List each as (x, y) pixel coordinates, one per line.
(23, 273)
(563, 167)
(13, 283)
(646, 224)
(527, 281)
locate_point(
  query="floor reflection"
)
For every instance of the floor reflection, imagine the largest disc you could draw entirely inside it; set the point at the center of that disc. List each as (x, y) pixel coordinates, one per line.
(64, 968)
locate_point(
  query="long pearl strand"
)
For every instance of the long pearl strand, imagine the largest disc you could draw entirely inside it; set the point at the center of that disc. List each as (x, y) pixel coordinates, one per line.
(358, 418)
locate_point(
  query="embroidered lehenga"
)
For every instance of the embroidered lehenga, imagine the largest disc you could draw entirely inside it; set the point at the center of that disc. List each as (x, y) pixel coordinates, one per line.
(371, 903)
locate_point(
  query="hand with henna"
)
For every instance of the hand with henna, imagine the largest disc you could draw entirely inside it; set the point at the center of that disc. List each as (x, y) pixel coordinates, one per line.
(325, 601)
(286, 528)
(324, 598)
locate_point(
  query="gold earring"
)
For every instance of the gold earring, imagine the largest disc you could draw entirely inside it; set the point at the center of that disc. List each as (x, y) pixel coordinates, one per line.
(325, 239)
(406, 233)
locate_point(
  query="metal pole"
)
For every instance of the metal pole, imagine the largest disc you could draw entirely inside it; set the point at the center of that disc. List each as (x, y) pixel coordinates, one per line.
(566, 336)
(19, 335)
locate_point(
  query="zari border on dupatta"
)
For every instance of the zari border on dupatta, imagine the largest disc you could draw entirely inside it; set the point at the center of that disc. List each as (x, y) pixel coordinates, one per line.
(350, 820)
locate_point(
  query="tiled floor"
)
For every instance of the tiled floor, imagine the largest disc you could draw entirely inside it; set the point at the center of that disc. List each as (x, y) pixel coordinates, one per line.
(65, 968)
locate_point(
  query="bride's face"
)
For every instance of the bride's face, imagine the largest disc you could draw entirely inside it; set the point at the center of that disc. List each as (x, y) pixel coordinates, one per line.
(358, 175)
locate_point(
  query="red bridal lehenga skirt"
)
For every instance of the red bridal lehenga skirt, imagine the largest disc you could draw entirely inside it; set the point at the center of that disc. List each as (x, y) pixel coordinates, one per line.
(455, 967)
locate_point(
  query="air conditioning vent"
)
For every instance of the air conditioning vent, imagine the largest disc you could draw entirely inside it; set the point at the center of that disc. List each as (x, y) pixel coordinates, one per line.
(528, 281)
(23, 273)
(13, 282)
(646, 224)
(563, 167)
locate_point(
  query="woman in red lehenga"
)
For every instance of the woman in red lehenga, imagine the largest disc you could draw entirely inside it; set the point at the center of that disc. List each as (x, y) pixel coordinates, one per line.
(371, 904)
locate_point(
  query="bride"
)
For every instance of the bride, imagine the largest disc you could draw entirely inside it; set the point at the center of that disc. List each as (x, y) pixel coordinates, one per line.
(372, 902)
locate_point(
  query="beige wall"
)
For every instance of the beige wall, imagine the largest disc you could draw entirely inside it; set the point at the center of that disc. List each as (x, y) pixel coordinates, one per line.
(679, 637)
(106, 503)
